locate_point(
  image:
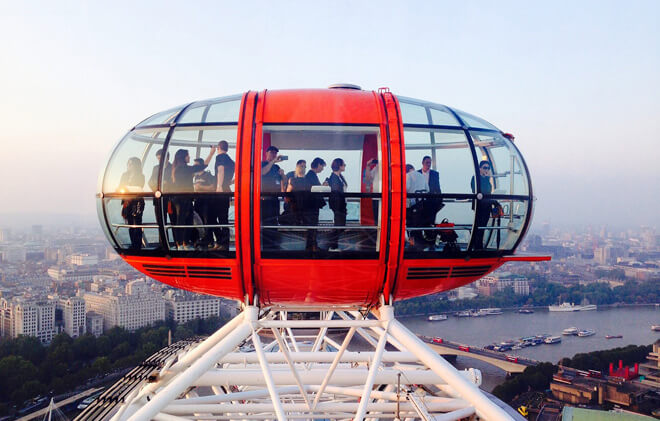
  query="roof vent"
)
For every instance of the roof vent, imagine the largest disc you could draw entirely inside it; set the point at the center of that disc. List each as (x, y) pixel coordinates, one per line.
(344, 86)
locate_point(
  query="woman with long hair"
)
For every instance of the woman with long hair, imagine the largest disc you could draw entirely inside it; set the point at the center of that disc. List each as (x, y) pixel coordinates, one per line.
(182, 182)
(131, 210)
(337, 200)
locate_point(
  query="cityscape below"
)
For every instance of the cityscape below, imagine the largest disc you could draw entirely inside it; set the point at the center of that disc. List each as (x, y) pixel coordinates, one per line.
(65, 279)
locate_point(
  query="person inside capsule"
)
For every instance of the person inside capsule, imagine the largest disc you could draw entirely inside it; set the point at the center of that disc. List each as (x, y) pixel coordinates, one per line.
(272, 181)
(316, 203)
(132, 209)
(219, 205)
(182, 181)
(415, 183)
(203, 182)
(484, 205)
(298, 187)
(337, 201)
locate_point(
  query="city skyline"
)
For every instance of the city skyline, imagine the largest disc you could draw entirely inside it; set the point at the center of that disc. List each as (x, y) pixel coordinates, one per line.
(576, 84)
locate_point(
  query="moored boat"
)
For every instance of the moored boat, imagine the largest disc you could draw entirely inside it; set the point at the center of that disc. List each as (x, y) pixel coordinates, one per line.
(570, 331)
(563, 307)
(525, 311)
(490, 311)
(589, 307)
(655, 328)
(464, 313)
(613, 336)
(586, 332)
(552, 339)
(437, 317)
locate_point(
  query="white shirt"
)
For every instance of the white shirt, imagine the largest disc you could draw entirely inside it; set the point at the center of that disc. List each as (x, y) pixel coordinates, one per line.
(415, 183)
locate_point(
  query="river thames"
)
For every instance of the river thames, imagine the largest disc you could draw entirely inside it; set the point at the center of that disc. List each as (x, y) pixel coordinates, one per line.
(634, 323)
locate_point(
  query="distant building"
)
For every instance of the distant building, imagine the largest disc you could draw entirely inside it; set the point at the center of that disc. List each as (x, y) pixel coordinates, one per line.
(488, 285)
(183, 306)
(30, 318)
(521, 287)
(82, 259)
(137, 307)
(73, 316)
(94, 323)
(14, 254)
(60, 274)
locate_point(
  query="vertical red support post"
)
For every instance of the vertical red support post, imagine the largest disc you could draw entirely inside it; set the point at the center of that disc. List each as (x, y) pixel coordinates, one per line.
(611, 369)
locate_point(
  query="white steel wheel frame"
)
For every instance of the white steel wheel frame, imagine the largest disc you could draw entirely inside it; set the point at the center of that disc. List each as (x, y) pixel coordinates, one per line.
(234, 374)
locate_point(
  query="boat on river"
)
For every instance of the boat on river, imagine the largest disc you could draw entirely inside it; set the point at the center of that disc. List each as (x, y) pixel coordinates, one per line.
(490, 311)
(464, 313)
(570, 331)
(525, 311)
(552, 339)
(437, 317)
(655, 328)
(613, 336)
(564, 307)
(586, 332)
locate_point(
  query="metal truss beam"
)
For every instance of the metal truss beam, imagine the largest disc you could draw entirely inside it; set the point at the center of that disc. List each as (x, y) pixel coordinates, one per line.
(345, 364)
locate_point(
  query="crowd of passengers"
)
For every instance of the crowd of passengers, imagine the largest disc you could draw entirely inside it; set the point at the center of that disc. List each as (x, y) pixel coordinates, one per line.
(301, 208)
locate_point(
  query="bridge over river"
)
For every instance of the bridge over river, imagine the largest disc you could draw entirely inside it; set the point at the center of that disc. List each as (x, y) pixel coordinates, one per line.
(507, 362)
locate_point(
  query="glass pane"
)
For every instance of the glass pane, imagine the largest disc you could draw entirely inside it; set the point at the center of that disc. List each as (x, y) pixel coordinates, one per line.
(193, 114)
(316, 190)
(204, 222)
(442, 117)
(133, 222)
(413, 114)
(499, 223)
(164, 117)
(224, 112)
(507, 175)
(196, 143)
(130, 162)
(450, 155)
(473, 121)
(446, 235)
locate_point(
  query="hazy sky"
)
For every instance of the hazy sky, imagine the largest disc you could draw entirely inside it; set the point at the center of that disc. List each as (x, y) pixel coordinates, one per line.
(578, 83)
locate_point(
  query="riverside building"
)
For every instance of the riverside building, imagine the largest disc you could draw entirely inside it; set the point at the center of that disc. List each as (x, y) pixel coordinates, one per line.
(136, 307)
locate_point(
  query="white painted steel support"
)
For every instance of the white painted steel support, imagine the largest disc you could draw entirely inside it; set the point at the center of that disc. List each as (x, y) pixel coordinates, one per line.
(265, 368)
(369, 383)
(205, 362)
(291, 360)
(485, 408)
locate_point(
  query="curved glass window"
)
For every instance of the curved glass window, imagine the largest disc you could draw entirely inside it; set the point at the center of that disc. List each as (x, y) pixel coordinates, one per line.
(439, 211)
(197, 184)
(508, 175)
(473, 121)
(132, 221)
(420, 112)
(223, 110)
(137, 147)
(196, 209)
(164, 117)
(320, 192)
(499, 223)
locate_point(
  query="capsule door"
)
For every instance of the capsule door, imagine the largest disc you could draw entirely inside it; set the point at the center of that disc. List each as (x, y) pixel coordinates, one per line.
(317, 178)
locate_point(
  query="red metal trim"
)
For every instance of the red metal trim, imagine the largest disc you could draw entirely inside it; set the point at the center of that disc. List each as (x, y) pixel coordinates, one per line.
(523, 258)
(242, 188)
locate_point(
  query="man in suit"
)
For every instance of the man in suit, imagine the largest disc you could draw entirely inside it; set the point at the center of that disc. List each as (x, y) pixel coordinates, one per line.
(314, 204)
(434, 204)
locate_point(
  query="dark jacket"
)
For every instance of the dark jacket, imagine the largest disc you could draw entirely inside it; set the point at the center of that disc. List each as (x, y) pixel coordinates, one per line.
(316, 202)
(337, 198)
(434, 181)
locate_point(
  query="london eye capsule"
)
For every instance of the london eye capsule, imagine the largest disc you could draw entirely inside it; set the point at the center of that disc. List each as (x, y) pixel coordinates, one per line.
(334, 196)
